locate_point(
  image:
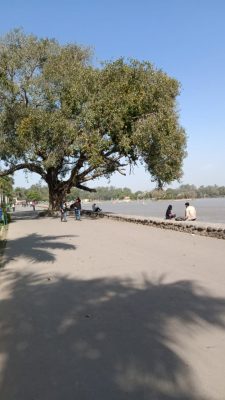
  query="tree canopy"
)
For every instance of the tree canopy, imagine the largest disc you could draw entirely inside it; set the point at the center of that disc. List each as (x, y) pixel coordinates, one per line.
(71, 122)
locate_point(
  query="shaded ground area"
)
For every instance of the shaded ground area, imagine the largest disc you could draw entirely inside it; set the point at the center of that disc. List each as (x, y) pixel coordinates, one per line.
(69, 329)
(98, 339)
(24, 214)
(36, 247)
(3, 235)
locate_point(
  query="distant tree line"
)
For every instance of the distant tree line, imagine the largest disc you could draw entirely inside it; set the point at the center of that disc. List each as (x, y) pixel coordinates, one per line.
(188, 192)
(40, 193)
(34, 193)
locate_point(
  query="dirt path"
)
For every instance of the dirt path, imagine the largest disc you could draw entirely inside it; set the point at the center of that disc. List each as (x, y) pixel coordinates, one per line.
(106, 310)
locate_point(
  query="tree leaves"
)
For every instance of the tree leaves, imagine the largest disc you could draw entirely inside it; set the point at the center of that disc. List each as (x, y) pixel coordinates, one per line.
(76, 122)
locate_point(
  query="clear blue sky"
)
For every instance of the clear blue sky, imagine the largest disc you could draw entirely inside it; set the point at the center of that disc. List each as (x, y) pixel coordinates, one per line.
(185, 38)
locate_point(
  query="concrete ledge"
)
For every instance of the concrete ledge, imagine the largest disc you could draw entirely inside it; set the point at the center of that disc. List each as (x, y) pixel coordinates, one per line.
(70, 213)
(193, 227)
(93, 214)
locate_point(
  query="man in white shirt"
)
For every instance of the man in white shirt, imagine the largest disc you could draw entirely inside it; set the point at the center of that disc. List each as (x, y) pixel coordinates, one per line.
(190, 212)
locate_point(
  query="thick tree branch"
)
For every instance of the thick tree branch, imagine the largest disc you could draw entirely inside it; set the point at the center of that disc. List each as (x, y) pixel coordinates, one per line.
(79, 186)
(108, 162)
(31, 167)
(25, 96)
(75, 170)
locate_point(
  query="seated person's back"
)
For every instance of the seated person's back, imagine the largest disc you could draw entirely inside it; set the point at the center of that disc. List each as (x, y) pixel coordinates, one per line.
(190, 212)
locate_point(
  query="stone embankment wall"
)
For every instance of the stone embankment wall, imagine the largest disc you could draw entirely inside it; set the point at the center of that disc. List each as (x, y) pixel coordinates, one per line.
(193, 227)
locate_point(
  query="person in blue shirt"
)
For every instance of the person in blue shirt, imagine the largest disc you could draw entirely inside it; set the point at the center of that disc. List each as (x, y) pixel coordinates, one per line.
(77, 208)
(63, 210)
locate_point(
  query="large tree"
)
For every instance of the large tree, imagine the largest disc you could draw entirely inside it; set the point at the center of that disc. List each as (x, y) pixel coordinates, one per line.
(71, 122)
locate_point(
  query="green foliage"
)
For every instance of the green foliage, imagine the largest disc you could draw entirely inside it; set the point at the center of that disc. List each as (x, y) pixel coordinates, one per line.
(189, 192)
(74, 123)
(34, 193)
(113, 193)
(6, 186)
(20, 193)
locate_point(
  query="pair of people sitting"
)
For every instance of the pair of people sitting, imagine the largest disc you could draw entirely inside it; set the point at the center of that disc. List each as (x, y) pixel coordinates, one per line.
(190, 213)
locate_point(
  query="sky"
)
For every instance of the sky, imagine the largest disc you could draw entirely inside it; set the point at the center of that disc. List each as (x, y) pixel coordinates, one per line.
(184, 38)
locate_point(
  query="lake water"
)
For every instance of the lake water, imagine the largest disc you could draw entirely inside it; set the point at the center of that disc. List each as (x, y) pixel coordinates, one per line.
(208, 210)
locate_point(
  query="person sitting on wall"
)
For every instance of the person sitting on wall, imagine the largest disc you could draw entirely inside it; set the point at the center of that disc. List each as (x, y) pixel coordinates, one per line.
(169, 213)
(95, 208)
(190, 212)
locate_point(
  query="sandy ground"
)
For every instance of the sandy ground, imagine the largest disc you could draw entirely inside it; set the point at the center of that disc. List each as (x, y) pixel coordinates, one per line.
(107, 310)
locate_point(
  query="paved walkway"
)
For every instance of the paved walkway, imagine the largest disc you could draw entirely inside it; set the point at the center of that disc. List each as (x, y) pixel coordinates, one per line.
(106, 310)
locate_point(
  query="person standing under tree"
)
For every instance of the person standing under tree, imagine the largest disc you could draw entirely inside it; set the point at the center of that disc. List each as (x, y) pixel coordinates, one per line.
(77, 208)
(63, 210)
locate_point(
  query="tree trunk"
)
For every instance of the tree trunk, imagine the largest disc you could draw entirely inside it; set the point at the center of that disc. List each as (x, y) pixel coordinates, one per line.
(57, 190)
(56, 198)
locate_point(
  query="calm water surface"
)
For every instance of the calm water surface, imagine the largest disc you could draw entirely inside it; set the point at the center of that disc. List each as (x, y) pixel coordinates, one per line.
(208, 210)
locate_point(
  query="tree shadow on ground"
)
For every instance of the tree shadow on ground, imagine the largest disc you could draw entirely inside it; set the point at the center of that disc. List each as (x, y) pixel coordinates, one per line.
(36, 248)
(25, 215)
(98, 339)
